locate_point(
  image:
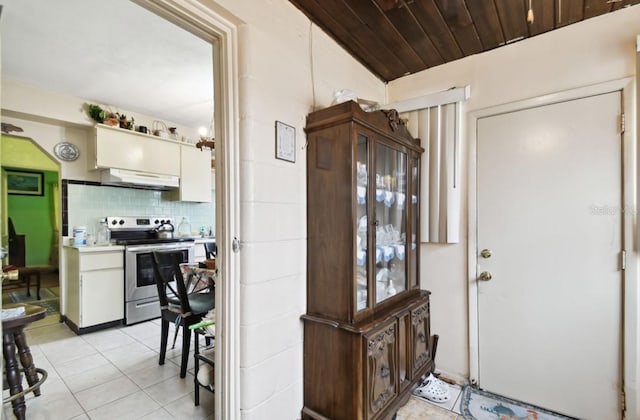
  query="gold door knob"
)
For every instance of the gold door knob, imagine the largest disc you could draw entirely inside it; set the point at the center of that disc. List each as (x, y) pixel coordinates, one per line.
(485, 276)
(485, 253)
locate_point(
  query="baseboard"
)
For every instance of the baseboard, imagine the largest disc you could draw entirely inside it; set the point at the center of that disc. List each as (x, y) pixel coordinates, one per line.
(92, 328)
(452, 378)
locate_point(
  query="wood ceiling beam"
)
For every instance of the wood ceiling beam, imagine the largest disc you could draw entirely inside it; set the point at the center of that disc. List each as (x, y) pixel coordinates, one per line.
(430, 19)
(412, 32)
(457, 16)
(544, 13)
(485, 19)
(569, 11)
(370, 15)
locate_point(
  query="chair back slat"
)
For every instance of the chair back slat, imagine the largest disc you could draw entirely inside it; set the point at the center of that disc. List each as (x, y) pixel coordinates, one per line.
(210, 250)
(167, 274)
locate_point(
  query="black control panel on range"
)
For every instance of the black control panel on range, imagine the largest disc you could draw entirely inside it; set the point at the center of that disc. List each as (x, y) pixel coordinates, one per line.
(136, 223)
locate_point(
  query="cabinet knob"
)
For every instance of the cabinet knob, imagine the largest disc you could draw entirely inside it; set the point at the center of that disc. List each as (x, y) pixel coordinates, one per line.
(384, 371)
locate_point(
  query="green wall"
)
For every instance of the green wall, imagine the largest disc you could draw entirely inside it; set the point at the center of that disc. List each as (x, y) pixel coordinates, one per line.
(32, 217)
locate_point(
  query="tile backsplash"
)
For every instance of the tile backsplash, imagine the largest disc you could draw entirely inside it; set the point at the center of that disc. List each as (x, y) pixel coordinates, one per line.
(87, 204)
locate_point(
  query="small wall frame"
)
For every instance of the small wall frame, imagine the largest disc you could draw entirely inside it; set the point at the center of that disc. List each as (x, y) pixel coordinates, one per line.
(25, 183)
(285, 142)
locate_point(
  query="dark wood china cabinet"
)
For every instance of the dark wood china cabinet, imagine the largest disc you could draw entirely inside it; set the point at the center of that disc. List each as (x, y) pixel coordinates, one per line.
(367, 338)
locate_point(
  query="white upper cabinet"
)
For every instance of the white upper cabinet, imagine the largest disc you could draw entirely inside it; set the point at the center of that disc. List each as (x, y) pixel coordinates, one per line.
(124, 149)
(195, 174)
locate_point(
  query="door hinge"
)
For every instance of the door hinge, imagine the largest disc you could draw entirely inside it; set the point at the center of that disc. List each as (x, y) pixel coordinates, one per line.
(623, 403)
(622, 124)
(235, 245)
(623, 259)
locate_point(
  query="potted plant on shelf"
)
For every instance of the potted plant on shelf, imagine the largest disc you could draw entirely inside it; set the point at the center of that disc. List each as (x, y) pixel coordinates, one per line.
(124, 123)
(96, 113)
(102, 116)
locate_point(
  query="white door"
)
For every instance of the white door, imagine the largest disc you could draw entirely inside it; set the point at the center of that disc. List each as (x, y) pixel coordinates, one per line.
(549, 195)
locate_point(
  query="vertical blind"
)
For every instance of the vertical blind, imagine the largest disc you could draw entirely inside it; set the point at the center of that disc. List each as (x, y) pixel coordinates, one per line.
(437, 122)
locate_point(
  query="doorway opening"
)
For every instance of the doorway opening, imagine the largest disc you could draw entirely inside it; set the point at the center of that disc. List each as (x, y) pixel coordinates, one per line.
(31, 225)
(219, 29)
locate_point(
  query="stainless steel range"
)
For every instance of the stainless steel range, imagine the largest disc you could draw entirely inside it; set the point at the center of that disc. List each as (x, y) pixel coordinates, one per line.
(141, 236)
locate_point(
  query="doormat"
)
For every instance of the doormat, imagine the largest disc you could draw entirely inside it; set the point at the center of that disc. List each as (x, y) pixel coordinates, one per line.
(476, 404)
(52, 306)
(20, 296)
(48, 299)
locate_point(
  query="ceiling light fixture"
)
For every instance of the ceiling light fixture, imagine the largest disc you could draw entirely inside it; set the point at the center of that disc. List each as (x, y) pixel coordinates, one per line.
(530, 14)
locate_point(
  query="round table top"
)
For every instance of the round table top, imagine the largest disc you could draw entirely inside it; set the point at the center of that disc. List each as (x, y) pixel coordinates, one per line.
(33, 313)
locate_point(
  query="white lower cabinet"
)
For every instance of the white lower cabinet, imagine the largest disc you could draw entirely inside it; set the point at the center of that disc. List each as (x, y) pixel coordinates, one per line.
(95, 286)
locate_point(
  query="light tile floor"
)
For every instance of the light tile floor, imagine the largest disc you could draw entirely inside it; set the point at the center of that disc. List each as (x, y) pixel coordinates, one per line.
(419, 408)
(114, 374)
(110, 374)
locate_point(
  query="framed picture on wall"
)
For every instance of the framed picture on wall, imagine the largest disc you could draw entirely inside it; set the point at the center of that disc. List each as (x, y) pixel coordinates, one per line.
(285, 142)
(25, 183)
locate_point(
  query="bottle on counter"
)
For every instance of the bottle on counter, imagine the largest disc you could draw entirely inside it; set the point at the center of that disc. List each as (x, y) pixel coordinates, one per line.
(184, 228)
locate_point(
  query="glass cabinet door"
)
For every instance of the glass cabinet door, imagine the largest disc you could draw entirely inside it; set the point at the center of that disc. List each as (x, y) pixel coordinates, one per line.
(415, 212)
(362, 226)
(390, 221)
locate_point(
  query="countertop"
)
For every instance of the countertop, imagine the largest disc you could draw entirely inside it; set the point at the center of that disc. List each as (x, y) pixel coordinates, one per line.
(96, 248)
(113, 247)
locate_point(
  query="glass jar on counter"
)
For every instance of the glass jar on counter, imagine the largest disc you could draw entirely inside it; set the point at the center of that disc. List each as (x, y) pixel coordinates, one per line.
(103, 234)
(184, 228)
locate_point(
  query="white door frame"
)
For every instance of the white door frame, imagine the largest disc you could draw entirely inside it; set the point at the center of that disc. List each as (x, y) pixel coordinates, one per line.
(216, 25)
(630, 346)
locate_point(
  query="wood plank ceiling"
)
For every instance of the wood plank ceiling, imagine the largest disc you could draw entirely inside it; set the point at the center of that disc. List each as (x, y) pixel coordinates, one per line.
(393, 38)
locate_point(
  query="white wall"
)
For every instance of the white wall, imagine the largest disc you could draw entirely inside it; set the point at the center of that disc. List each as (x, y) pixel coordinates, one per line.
(276, 84)
(593, 51)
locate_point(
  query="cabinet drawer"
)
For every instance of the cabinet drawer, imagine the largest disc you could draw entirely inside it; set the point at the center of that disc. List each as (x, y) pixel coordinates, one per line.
(101, 260)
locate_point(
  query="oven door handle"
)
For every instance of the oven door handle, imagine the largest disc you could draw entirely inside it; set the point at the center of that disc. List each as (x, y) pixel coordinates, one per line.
(164, 247)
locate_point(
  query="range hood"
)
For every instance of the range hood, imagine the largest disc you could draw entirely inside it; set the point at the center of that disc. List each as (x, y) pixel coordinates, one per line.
(122, 177)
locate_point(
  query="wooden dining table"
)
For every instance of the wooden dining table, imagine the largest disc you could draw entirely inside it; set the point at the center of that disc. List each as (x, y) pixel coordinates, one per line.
(12, 337)
(198, 279)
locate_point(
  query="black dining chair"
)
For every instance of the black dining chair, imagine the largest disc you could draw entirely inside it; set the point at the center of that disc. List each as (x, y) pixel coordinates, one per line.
(176, 305)
(210, 249)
